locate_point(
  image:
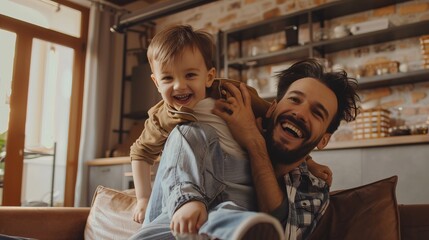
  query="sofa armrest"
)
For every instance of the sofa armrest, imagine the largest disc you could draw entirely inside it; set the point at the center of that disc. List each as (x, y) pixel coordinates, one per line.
(44, 222)
(414, 221)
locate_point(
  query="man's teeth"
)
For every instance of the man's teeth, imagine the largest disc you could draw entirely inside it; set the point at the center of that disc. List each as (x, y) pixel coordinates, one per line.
(293, 129)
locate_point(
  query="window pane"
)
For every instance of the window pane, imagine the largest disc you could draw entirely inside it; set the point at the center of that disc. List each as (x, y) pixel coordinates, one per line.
(44, 13)
(7, 50)
(47, 125)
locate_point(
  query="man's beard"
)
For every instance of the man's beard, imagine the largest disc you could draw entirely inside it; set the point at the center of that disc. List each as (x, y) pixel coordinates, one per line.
(278, 154)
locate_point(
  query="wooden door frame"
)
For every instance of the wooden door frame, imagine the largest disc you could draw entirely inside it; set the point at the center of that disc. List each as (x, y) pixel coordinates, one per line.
(26, 32)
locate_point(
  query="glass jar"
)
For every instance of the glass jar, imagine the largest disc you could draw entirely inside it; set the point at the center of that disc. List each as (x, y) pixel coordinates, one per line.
(419, 129)
(252, 79)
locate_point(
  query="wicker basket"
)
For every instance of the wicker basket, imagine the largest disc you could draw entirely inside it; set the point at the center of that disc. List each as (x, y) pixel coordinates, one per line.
(372, 123)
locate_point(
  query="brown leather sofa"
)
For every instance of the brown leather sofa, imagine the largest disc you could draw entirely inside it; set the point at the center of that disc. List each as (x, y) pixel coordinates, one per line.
(367, 212)
(69, 223)
(44, 222)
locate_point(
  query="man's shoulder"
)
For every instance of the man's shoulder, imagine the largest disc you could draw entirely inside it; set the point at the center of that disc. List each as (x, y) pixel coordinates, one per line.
(315, 181)
(306, 184)
(309, 202)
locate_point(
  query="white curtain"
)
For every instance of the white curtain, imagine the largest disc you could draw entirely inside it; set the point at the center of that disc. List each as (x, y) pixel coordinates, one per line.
(97, 103)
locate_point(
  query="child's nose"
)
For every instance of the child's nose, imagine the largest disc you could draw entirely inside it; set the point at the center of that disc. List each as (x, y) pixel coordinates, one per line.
(180, 83)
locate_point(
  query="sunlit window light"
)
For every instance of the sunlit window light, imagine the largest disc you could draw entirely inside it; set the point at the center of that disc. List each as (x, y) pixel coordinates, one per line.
(7, 50)
(49, 99)
(44, 13)
(17, 9)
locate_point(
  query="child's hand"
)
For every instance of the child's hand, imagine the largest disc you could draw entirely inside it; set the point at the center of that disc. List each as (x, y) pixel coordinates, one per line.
(321, 171)
(189, 218)
(140, 210)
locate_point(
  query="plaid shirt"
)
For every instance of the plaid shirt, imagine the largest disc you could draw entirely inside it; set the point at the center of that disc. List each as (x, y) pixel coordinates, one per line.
(307, 200)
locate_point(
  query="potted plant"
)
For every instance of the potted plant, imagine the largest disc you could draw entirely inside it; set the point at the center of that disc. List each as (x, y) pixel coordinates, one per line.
(2, 154)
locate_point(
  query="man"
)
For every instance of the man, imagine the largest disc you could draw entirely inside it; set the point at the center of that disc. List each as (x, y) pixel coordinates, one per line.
(309, 106)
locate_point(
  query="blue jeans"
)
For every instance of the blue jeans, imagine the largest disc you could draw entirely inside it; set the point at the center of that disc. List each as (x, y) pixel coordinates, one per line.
(194, 167)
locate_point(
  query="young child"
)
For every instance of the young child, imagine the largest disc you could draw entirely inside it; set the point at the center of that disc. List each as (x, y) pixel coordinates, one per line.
(181, 61)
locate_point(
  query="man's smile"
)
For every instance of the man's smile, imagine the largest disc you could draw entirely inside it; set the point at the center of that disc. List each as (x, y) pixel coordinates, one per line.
(293, 130)
(293, 127)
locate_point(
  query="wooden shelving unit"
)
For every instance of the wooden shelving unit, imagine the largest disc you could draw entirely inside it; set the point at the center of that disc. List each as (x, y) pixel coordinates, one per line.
(313, 48)
(319, 15)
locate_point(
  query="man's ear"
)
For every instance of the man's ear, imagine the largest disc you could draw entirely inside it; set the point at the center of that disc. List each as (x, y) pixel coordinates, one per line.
(268, 115)
(152, 76)
(271, 109)
(324, 141)
(210, 77)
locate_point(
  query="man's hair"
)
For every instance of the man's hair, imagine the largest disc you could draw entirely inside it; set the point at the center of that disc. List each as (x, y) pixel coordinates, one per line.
(171, 41)
(343, 87)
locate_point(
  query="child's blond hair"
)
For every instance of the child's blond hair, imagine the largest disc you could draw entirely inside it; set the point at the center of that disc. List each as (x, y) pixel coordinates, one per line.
(169, 44)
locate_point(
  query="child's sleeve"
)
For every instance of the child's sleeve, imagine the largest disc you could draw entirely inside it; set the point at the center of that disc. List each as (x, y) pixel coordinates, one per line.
(259, 105)
(155, 132)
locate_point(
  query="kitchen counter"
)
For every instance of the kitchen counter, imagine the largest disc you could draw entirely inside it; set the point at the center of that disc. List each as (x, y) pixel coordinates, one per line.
(377, 142)
(356, 163)
(109, 161)
(114, 172)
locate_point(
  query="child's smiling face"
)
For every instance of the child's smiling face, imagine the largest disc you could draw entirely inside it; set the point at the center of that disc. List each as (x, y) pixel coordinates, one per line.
(183, 81)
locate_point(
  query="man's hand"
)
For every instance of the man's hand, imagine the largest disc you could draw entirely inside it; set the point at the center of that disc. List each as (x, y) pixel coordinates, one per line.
(320, 171)
(189, 218)
(237, 112)
(140, 210)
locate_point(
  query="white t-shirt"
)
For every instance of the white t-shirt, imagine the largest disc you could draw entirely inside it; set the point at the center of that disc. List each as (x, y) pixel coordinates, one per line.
(202, 112)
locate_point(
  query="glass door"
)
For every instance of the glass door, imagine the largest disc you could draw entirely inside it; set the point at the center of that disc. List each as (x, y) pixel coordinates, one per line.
(41, 95)
(47, 124)
(7, 48)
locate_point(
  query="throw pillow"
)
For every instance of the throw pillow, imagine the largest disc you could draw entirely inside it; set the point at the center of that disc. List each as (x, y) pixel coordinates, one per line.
(366, 212)
(111, 215)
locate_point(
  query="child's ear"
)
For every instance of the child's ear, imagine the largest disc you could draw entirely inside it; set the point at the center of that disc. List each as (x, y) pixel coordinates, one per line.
(152, 76)
(210, 77)
(324, 141)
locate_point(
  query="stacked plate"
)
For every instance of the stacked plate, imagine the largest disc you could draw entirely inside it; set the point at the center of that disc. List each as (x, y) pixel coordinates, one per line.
(371, 123)
(424, 43)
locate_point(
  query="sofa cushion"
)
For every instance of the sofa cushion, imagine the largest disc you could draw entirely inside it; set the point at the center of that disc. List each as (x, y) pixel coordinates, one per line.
(111, 214)
(366, 212)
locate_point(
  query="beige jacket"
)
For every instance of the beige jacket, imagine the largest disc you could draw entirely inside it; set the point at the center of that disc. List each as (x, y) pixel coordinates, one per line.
(163, 118)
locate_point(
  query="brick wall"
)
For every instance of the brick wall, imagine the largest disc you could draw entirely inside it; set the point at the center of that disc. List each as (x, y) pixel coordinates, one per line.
(413, 99)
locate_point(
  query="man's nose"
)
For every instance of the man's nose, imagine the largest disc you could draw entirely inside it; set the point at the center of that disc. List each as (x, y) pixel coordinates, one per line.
(300, 115)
